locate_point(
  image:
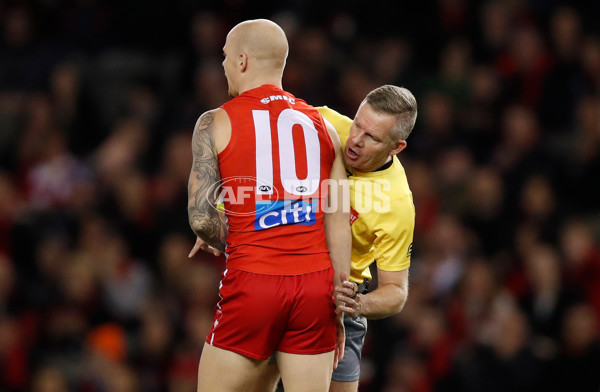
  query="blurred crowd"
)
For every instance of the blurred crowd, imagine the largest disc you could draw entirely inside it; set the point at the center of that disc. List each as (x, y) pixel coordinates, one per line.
(98, 100)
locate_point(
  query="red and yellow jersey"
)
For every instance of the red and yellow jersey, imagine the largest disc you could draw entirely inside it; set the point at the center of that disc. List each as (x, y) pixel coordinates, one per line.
(272, 189)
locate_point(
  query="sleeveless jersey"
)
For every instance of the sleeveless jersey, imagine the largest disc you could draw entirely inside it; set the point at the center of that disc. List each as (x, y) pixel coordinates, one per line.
(272, 187)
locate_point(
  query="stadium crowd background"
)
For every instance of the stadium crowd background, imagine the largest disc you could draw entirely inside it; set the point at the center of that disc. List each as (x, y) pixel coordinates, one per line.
(97, 104)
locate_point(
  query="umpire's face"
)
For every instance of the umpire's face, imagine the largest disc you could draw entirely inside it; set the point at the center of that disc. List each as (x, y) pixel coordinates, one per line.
(369, 143)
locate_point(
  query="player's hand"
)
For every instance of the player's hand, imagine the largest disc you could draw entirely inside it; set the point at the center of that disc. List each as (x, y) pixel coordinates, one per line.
(341, 341)
(205, 247)
(346, 298)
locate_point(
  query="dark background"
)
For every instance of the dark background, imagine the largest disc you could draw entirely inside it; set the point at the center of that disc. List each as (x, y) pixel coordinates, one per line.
(98, 100)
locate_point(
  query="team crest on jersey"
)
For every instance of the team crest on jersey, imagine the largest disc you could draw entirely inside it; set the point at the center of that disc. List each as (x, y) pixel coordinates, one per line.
(284, 212)
(353, 215)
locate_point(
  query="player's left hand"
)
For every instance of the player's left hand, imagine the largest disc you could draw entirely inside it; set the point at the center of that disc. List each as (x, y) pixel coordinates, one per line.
(347, 300)
(341, 341)
(201, 245)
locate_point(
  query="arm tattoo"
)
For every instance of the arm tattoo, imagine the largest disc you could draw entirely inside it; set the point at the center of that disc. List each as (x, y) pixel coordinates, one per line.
(203, 216)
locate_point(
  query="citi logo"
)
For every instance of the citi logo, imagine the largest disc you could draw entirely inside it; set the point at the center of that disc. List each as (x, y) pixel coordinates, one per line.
(266, 100)
(285, 212)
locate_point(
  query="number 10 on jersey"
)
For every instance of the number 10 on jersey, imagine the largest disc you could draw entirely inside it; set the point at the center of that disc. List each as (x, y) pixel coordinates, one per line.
(287, 119)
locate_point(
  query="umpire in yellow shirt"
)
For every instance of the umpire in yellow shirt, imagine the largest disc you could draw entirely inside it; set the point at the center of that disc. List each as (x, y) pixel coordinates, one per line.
(382, 217)
(382, 222)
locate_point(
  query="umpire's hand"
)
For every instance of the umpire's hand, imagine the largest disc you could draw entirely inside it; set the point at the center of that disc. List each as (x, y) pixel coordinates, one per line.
(347, 300)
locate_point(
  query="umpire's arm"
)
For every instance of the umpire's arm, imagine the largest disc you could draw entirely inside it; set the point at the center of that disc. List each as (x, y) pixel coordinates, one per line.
(388, 299)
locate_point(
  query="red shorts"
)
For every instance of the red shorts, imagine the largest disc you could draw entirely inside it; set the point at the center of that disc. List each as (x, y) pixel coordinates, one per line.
(259, 314)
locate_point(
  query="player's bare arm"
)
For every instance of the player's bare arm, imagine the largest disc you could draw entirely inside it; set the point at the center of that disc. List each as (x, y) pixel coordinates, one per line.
(337, 228)
(388, 299)
(337, 222)
(203, 215)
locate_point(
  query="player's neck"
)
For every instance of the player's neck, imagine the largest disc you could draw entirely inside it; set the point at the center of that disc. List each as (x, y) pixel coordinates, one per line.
(261, 81)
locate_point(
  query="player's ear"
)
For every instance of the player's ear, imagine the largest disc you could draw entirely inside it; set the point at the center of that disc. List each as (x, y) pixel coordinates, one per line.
(243, 62)
(398, 146)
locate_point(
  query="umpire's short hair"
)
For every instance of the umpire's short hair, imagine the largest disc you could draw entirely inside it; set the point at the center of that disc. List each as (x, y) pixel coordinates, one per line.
(397, 101)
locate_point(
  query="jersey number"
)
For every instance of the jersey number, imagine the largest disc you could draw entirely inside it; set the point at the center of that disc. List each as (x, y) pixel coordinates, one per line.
(287, 158)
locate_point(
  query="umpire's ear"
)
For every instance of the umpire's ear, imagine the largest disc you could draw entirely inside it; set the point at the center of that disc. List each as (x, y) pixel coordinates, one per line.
(398, 146)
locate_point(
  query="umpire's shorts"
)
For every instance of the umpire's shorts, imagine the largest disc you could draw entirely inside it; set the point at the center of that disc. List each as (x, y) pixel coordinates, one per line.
(349, 367)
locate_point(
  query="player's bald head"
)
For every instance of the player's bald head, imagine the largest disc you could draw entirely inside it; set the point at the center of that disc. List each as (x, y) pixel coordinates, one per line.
(260, 39)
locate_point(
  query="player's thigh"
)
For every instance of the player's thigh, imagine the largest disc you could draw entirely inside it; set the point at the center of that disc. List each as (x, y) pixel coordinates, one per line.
(268, 378)
(250, 319)
(340, 386)
(225, 371)
(301, 373)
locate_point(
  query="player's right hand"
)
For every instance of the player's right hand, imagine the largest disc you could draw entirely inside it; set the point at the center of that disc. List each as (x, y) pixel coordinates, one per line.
(340, 342)
(205, 247)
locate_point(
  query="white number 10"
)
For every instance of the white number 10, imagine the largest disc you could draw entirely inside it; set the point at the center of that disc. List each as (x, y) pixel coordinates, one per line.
(287, 159)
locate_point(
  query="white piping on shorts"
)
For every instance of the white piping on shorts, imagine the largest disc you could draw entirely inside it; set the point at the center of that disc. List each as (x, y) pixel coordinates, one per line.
(219, 312)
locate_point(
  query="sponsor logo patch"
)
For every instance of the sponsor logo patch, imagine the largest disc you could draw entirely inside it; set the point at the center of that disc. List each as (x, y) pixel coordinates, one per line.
(284, 212)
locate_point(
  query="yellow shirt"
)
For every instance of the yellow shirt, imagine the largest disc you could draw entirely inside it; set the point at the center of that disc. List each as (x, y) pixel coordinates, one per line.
(383, 213)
